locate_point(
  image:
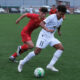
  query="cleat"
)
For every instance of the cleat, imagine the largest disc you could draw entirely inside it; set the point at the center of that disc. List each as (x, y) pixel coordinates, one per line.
(11, 58)
(52, 68)
(18, 50)
(20, 66)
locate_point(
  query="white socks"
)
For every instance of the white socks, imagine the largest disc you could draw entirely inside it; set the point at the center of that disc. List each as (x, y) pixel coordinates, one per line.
(28, 57)
(56, 56)
(54, 59)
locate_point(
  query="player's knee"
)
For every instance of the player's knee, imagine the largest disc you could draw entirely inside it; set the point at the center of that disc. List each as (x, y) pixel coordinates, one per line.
(31, 46)
(37, 51)
(61, 48)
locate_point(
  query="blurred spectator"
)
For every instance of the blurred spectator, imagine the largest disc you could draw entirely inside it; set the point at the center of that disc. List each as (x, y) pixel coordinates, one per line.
(53, 10)
(31, 9)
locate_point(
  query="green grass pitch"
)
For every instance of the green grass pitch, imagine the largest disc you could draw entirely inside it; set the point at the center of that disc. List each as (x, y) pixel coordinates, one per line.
(68, 64)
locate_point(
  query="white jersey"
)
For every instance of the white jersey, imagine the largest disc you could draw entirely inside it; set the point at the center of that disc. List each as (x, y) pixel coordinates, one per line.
(46, 38)
(52, 23)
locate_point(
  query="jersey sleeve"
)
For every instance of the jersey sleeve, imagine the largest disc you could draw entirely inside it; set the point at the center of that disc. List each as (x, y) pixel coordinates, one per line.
(48, 19)
(61, 21)
(30, 15)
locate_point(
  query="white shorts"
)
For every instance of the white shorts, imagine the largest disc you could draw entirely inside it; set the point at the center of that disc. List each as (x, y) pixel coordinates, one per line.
(44, 40)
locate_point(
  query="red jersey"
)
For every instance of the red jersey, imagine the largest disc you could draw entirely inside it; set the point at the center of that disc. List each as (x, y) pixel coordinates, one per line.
(33, 23)
(52, 11)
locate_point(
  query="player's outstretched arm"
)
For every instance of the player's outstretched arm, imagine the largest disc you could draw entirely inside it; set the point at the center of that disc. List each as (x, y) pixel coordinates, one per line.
(21, 17)
(42, 24)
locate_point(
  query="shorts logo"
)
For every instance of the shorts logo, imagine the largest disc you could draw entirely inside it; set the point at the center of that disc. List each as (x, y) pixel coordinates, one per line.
(41, 43)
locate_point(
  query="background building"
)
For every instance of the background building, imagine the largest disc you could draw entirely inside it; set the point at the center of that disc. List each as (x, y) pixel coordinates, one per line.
(10, 4)
(35, 3)
(27, 3)
(73, 3)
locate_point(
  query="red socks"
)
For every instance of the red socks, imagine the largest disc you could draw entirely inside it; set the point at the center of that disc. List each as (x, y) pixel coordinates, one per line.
(14, 55)
(24, 47)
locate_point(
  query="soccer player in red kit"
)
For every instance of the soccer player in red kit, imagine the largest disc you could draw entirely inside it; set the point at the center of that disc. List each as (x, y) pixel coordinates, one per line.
(53, 10)
(33, 23)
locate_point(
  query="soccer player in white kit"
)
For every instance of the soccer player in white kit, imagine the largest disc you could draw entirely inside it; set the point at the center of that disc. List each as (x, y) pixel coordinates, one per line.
(46, 37)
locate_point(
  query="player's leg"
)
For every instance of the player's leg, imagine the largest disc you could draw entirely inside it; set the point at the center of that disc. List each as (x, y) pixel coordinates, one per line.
(31, 54)
(28, 44)
(27, 58)
(21, 49)
(59, 50)
(41, 43)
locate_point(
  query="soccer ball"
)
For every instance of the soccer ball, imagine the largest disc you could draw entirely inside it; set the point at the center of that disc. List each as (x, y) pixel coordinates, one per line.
(39, 72)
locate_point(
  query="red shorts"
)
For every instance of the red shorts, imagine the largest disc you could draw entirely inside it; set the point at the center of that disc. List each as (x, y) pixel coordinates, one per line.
(25, 36)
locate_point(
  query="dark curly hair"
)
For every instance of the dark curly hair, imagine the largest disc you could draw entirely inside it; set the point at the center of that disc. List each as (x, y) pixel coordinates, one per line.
(43, 9)
(61, 8)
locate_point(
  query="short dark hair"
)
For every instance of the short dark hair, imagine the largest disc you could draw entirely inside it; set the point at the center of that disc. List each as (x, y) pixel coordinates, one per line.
(43, 9)
(53, 5)
(62, 8)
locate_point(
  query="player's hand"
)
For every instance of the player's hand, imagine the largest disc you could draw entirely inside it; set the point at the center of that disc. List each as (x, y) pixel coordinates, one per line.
(17, 21)
(48, 30)
(51, 30)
